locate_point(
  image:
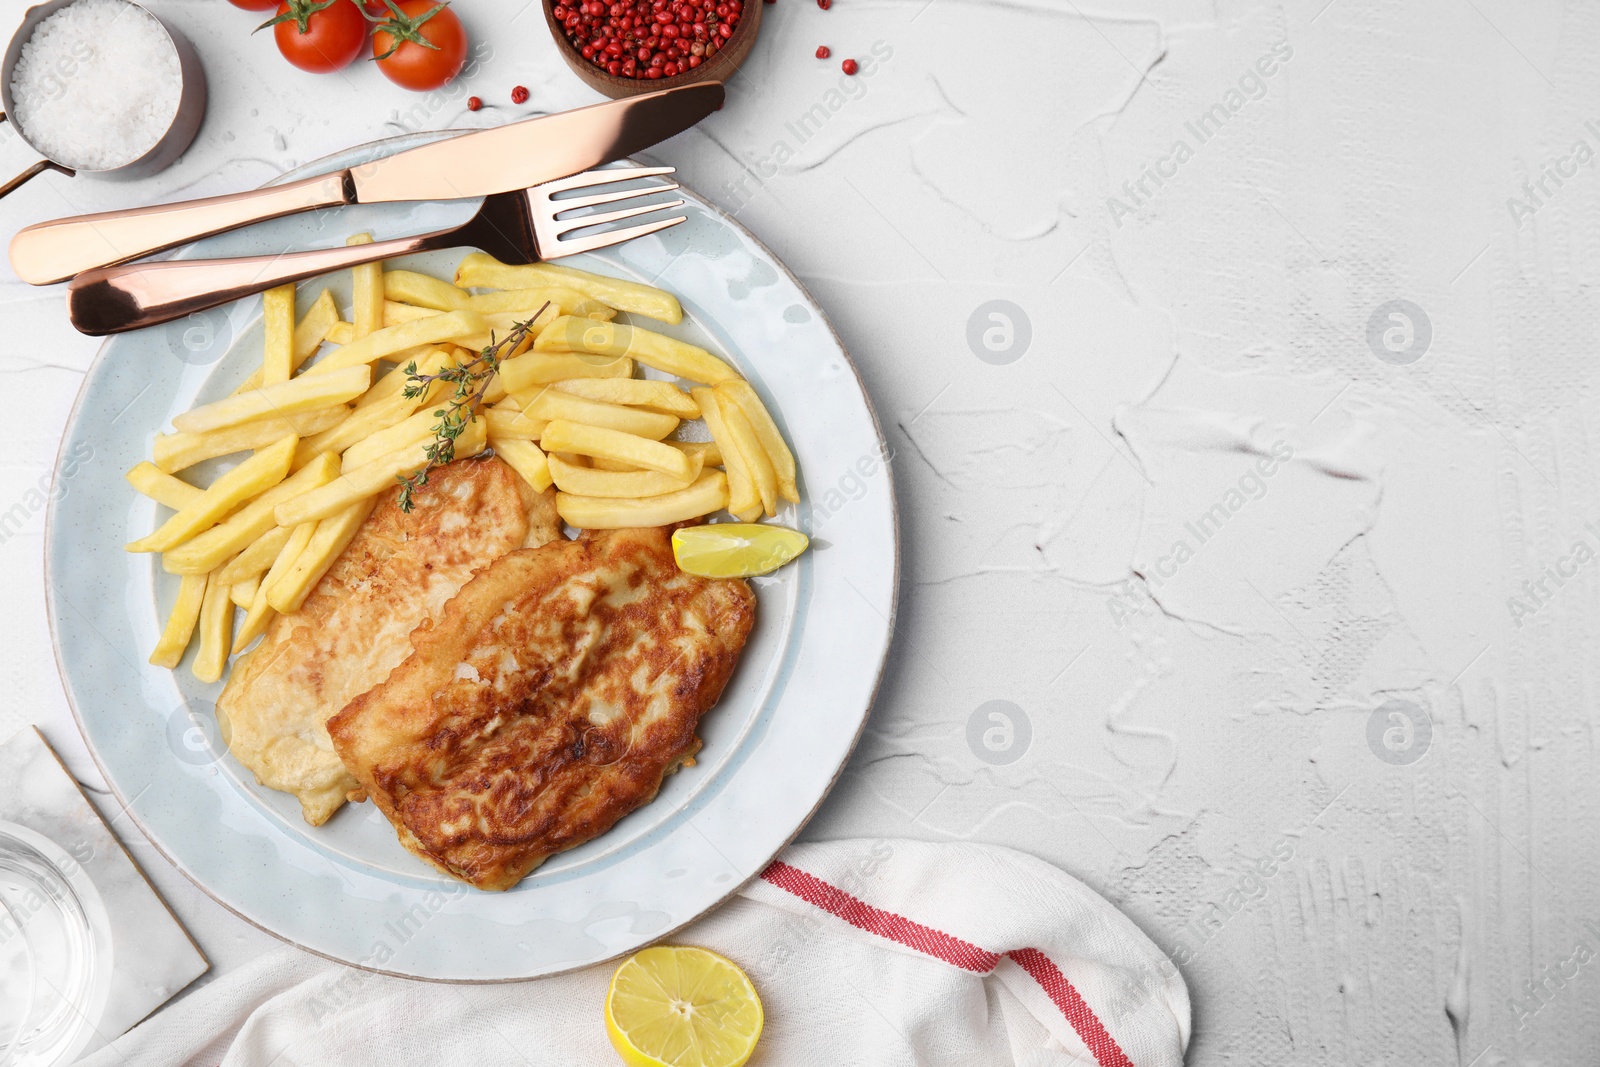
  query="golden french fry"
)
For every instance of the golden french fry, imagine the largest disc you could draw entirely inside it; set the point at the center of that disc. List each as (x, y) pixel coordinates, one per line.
(495, 391)
(666, 354)
(422, 290)
(333, 534)
(341, 333)
(433, 360)
(251, 478)
(744, 499)
(256, 559)
(708, 493)
(509, 424)
(299, 537)
(750, 450)
(391, 341)
(502, 323)
(260, 613)
(372, 478)
(394, 382)
(308, 336)
(243, 592)
(216, 632)
(365, 423)
(313, 329)
(707, 451)
(521, 373)
(564, 436)
(217, 546)
(406, 357)
(484, 271)
(366, 292)
(525, 302)
(395, 312)
(255, 621)
(527, 459)
(663, 397)
(180, 624)
(174, 452)
(305, 393)
(743, 394)
(277, 320)
(381, 443)
(635, 484)
(162, 487)
(550, 403)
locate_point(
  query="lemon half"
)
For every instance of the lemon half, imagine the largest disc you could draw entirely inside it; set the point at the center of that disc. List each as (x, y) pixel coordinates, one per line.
(676, 1006)
(736, 549)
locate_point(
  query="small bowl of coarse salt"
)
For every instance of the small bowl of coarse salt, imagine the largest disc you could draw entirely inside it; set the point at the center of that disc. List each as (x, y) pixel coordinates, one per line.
(101, 88)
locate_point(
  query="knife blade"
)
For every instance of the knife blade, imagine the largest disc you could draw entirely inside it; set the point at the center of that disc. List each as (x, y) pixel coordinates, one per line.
(514, 156)
(534, 151)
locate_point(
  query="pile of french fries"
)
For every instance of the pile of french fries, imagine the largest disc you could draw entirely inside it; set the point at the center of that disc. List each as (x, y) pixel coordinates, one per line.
(325, 437)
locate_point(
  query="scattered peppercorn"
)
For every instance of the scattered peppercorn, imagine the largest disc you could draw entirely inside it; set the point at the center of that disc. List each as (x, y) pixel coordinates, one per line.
(823, 51)
(824, 4)
(519, 95)
(473, 103)
(648, 38)
(849, 66)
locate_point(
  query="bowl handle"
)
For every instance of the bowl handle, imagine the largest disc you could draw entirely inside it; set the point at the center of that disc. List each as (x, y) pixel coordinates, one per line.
(32, 172)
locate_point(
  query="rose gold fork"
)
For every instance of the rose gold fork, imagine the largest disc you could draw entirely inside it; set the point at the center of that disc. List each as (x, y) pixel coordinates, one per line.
(517, 227)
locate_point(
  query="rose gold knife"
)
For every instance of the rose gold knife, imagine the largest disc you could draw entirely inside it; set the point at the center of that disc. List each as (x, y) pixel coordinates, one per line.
(496, 160)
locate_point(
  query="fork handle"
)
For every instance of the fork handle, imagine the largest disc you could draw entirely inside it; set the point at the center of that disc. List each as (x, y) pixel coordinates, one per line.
(134, 295)
(50, 252)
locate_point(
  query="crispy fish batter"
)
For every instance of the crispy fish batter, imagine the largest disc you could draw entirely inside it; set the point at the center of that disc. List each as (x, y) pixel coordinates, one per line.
(552, 697)
(356, 625)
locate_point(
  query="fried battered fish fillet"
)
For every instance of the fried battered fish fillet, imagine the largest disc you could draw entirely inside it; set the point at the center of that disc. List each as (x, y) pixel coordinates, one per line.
(355, 626)
(551, 698)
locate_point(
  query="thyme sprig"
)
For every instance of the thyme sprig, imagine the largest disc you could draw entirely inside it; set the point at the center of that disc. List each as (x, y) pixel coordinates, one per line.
(471, 381)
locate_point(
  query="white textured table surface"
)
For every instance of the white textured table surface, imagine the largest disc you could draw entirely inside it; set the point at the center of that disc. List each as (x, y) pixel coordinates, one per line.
(1243, 556)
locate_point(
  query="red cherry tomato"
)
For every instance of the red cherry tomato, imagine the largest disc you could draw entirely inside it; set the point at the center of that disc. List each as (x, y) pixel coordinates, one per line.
(398, 46)
(319, 36)
(255, 5)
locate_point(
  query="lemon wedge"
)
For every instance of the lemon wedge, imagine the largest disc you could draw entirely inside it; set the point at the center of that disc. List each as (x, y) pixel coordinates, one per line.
(676, 1006)
(736, 549)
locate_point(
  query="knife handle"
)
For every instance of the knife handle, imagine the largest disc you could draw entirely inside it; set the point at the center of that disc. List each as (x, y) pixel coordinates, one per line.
(51, 252)
(133, 295)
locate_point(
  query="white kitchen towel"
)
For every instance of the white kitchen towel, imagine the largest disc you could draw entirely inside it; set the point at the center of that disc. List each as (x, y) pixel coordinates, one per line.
(865, 952)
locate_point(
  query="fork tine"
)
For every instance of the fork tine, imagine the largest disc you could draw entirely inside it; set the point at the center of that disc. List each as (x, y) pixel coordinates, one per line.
(570, 225)
(611, 197)
(601, 177)
(605, 240)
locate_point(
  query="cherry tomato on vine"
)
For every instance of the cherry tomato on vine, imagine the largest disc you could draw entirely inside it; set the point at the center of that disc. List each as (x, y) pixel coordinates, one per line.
(421, 45)
(256, 5)
(319, 36)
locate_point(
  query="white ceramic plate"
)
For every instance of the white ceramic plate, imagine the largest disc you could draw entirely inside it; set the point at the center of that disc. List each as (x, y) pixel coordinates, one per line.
(347, 890)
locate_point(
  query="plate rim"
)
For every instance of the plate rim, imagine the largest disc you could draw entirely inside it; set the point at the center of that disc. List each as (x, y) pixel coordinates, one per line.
(320, 165)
